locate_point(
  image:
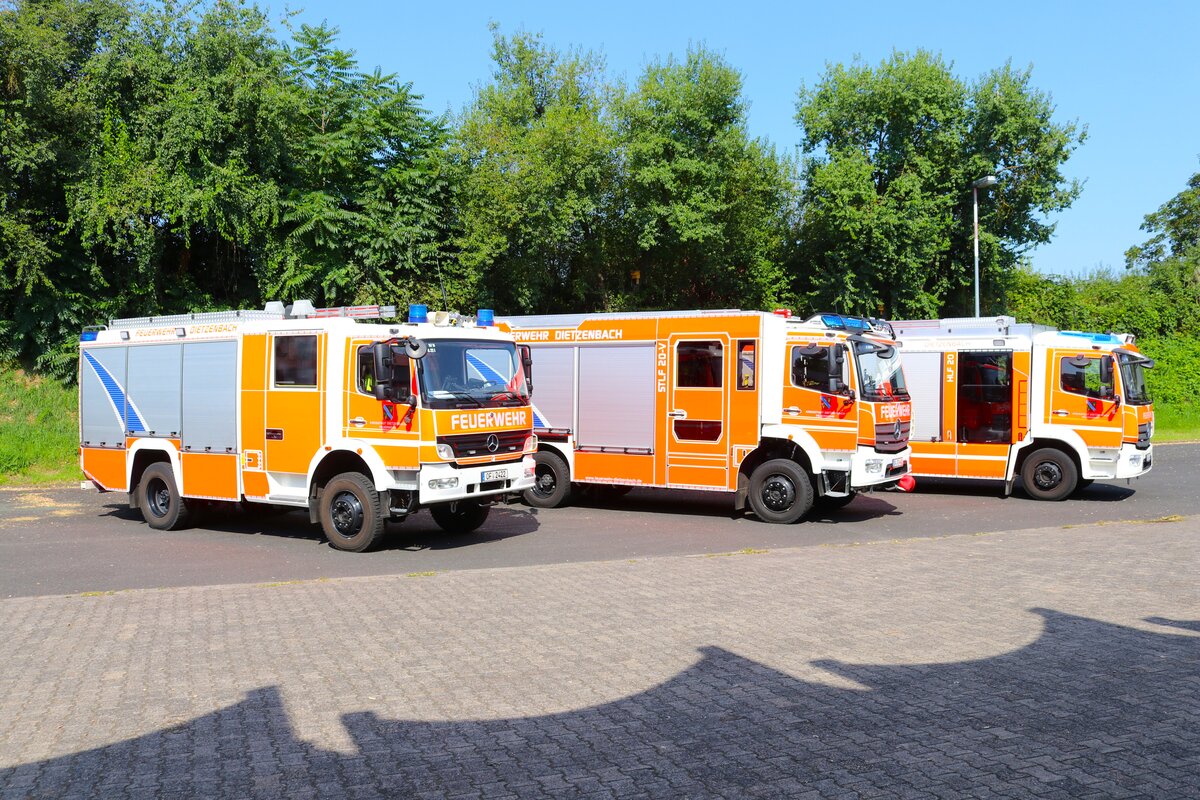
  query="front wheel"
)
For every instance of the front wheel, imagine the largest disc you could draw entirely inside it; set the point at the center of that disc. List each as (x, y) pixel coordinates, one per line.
(780, 491)
(551, 483)
(351, 513)
(1049, 474)
(461, 516)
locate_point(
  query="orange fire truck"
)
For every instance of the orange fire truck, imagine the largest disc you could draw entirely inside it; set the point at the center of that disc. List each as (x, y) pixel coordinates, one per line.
(780, 411)
(994, 399)
(313, 408)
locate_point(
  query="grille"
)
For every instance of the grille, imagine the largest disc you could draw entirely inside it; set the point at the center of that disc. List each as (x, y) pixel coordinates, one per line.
(886, 440)
(1143, 441)
(475, 445)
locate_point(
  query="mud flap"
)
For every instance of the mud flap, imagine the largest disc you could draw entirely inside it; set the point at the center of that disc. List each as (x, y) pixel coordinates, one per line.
(743, 488)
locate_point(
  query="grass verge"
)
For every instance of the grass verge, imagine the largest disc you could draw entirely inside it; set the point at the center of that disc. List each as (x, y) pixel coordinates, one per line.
(39, 437)
(1176, 424)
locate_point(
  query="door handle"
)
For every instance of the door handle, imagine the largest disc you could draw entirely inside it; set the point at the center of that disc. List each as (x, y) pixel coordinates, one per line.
(792, 409)
(677, 413)
(358, 421)
(1058, 412)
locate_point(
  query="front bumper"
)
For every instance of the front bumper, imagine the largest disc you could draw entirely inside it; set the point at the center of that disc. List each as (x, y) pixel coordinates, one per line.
(466, 483)
(1132, 462)
(869, 468)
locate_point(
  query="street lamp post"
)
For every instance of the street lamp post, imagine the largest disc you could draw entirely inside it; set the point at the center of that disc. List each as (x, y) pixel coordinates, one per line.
(982, 183)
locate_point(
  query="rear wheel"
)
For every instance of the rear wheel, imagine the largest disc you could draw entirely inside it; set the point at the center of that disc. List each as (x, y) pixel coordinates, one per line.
(552, 481)
(351, 513)
(780, 491)
(159, 500)
(1049, 474)
(461, 516)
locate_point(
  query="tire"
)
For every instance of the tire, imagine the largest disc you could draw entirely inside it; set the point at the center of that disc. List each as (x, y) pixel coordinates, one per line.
(159, 500)
(830, 503)
(780, 491)
(1049, 474)
(351, 513)
(552, 487)
(461, 516)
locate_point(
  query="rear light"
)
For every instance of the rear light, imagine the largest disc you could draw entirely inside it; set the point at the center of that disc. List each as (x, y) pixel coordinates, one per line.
(782, 312)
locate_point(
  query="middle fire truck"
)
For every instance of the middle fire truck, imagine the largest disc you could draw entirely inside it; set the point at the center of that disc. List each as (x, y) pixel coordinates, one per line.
(783, 413)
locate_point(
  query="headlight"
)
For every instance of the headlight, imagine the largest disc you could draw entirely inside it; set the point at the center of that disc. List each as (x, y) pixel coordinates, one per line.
(446, 452)
(874, 465)
(443, 483)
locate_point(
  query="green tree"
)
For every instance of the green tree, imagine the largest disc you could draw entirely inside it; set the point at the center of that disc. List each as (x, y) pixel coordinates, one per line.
(366, 205)
(891, 152)
(1170, 260)
(537, 152)
(703, 203)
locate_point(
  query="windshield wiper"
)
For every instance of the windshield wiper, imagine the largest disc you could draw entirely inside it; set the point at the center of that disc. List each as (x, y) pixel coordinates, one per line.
(510, 394)
(463, 396)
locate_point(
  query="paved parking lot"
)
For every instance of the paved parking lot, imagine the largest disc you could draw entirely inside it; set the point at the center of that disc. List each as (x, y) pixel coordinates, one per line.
(1041, 663)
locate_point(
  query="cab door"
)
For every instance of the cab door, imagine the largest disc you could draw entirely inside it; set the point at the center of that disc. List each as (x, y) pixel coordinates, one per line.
(698, 409)
(1083, 397)
(293, 417)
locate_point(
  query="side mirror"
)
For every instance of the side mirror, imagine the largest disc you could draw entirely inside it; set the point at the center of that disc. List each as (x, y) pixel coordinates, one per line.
(527, 362)
(837, 357)
(1106, 370)
(382, 364)
(383, 391)
(850, 396)
(887, 353)
(415, 348)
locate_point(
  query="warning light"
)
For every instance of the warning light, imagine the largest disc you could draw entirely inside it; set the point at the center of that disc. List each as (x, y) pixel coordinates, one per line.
(783, 312)
(418, 313)
(485, 317)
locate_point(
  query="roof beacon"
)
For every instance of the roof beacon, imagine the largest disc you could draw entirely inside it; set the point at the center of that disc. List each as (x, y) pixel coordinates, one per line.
(418, 313)
(485, 318)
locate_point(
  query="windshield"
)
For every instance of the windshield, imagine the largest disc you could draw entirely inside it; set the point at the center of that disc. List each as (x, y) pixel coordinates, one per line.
(1133, 380)
(471, 374)
(880, 378)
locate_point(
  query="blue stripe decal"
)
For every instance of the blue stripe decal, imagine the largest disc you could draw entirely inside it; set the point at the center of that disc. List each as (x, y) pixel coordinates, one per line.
(116, 395)
(489, 373)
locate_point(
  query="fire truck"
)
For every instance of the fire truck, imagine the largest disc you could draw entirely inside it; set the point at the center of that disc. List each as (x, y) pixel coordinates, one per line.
(994, 399)
(358, 421)
(781, 412)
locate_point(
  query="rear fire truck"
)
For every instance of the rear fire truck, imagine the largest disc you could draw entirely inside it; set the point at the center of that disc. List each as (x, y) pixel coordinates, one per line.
(783, 413)
(994, 399)
(357, 422)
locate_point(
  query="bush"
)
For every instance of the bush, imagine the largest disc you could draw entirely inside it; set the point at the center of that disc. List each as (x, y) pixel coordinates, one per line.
(39, 435)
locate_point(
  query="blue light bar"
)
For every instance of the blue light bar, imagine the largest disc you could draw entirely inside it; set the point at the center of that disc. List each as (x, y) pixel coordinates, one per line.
(87, 336)
(1095, 338)
(485, 318)
(418, 313)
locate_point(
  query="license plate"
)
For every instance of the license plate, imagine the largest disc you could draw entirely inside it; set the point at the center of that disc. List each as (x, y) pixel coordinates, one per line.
(493, 475)
(898, 462)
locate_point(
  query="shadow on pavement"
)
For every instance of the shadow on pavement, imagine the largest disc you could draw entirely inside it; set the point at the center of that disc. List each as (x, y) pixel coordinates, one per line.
(1089, 709)
(419, 532)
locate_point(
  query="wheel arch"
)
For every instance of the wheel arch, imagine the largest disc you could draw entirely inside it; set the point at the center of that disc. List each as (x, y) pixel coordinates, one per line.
(769, 448)
(141, 455)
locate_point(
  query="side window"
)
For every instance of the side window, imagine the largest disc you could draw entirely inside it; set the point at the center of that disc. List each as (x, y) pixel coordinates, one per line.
(1081, 375)
(811, 371)
(699, 365)
(401, 372)
(747, 357)
(295, 361)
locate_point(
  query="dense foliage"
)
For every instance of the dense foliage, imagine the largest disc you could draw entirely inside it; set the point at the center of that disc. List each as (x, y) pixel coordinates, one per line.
(167, 157)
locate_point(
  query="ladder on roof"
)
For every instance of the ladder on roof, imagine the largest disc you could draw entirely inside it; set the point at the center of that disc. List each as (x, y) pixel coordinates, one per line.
(301, 309)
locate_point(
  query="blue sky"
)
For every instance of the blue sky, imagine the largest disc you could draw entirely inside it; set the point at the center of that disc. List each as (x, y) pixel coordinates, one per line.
(1129, 71)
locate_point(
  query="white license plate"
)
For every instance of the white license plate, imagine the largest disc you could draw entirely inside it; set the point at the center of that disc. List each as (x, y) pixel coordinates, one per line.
(493, 475)
(898, 462)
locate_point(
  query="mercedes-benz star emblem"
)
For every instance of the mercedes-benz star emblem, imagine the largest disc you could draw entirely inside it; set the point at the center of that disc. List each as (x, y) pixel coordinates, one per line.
(897, 429)
(493, 443)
